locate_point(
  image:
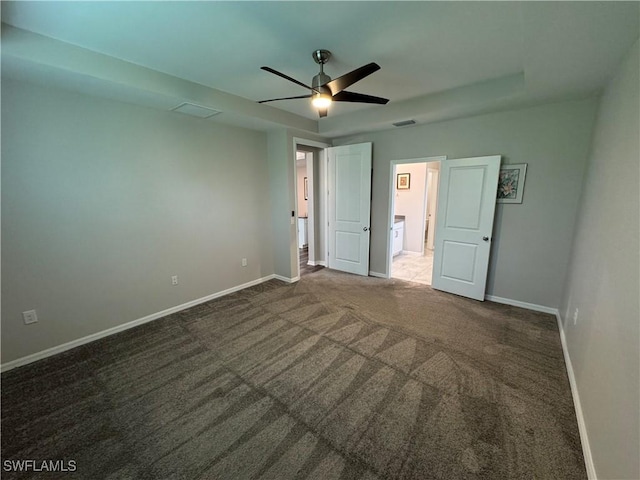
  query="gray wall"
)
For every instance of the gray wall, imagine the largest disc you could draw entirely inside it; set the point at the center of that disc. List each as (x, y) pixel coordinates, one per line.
(532, 240)
(280, 184)
(103, 201)
(603, 282)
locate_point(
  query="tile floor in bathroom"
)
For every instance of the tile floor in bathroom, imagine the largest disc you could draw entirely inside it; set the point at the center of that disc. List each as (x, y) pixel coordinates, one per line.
(413, 267)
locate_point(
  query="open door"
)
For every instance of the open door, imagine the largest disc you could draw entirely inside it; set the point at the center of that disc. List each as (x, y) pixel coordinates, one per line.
(349, 170)
(466, 205)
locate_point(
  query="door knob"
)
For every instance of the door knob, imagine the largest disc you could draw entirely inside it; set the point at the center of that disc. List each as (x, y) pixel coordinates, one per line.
(486, 239)
(365, 229)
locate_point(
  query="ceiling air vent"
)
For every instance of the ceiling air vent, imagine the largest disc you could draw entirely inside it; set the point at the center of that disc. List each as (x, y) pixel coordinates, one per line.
(404, 123)
(195, 110)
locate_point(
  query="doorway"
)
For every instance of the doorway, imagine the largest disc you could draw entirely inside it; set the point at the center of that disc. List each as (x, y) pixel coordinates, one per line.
(310, 207)
(338, 218)
(306, 237)
(413, 206)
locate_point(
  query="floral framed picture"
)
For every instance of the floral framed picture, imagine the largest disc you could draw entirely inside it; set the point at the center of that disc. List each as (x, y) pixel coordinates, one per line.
(403, 181)
(511, 183)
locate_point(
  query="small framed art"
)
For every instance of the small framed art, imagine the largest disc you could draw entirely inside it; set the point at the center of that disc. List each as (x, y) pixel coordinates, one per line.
(511, 183)
(403, 181)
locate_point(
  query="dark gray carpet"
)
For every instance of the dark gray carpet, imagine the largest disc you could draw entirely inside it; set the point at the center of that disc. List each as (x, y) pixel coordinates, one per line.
(335, 377)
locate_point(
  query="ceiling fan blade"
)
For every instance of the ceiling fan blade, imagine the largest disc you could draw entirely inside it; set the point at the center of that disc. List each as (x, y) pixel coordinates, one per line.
(286, 77)
(348, 79)
(322, 112)
(284, 98)
(345, 96)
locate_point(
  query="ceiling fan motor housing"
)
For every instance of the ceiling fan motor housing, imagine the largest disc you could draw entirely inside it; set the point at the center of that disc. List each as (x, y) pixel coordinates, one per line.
(319, 81)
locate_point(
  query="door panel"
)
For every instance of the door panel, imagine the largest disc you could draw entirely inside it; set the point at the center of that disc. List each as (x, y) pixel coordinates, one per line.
(349, 207)
(458, 261)
(348, 188)
(466, 205)
(348, 247)
(465, 211)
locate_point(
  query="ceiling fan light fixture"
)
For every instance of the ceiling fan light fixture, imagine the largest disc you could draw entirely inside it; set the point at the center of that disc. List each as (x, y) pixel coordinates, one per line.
(321, 100)
(325, 91)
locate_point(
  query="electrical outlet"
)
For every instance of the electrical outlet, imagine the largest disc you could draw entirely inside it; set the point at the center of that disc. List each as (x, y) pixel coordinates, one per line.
(244, 262)
(29, 316)
(174, 280)
(575, 316)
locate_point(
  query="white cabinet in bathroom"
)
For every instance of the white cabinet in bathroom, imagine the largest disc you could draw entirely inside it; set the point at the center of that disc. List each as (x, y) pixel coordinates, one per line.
(303, 238)
(398, 237)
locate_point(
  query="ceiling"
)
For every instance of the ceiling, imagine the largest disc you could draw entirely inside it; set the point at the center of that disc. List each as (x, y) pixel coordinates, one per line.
(439, 59)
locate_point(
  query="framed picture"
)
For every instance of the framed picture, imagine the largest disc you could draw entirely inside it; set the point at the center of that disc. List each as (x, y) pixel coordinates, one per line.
(511, 183)
(403, 181)
(306, 188)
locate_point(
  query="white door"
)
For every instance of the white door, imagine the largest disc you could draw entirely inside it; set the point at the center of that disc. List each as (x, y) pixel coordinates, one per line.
(349, 207)
(466, 204)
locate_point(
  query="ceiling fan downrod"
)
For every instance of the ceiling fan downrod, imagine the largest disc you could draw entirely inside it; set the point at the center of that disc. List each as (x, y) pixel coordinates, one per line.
(321, 57)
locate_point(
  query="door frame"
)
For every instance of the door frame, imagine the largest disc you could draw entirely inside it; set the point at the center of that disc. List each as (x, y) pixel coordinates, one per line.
(313, 195)
(392, 200)
(435, 184)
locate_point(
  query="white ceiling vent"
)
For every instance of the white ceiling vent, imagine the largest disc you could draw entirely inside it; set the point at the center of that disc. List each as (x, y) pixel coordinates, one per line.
(195, 110)
(404, 123)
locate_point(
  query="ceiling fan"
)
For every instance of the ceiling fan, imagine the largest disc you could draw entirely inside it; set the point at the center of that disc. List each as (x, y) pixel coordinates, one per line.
(324, 91)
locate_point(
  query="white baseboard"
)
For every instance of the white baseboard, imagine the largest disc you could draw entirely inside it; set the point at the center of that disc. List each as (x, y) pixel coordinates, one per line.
(591, 472)
(319, 262)
(286, 279)
(126, 326)
(377, 274)
(582, 427)
(518, 303)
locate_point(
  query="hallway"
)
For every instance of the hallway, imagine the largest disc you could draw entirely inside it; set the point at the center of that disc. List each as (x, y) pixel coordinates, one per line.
(306, 269)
